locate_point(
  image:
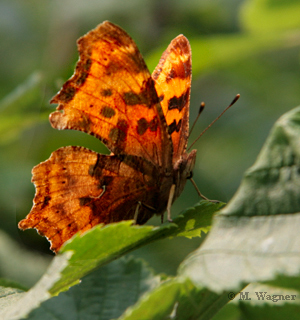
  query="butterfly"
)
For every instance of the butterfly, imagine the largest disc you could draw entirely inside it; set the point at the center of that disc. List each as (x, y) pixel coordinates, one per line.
(143, 120)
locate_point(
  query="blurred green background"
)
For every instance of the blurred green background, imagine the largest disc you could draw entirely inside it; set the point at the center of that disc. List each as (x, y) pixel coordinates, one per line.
(246, 47)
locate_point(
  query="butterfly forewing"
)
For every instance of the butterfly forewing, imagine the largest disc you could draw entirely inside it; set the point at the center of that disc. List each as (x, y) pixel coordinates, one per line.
(112, 96)
(172, 78)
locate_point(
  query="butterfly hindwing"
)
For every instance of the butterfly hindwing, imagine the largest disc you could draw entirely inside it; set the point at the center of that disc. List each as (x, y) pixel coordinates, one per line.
(172, 78)
(112, 96)
(77, 188)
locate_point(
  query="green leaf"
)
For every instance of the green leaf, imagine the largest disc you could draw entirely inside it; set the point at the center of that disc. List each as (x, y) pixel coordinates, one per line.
(8, 297)
(104, 294)
(256, 236)
(272, 185)
(177, 298)
(101, 245)
(11, 284)
(190, 224)
(117, 239)
(23, 303)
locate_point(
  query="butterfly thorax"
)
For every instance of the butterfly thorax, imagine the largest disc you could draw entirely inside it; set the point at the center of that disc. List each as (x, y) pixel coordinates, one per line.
(159, 184)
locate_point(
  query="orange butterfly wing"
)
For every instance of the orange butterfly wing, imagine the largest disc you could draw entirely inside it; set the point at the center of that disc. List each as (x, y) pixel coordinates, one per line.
(77, 188)
(112, 96)
(172, 78)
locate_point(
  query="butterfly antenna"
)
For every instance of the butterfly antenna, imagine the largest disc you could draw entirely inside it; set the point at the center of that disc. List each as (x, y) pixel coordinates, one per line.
(231, 104)
(202, 105)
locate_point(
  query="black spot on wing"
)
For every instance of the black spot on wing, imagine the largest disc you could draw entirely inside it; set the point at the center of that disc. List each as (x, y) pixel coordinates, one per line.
(107, 112)
(147, 96)
(66, 95)
(106, 92)
(118, 134)
(179, 102)
(143, 125)
(174, 126)
(84, 72)
(46, 202)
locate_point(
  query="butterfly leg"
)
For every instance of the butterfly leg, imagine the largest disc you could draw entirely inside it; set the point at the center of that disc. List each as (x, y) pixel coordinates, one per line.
(171, 196)
(136, 213)
(200, 194)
